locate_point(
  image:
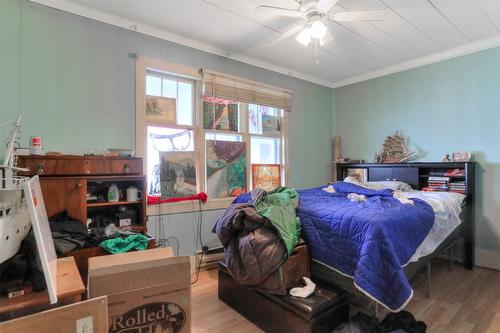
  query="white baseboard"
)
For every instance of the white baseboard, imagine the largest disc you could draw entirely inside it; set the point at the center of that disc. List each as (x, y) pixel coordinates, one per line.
(209, 261)
(488, 259)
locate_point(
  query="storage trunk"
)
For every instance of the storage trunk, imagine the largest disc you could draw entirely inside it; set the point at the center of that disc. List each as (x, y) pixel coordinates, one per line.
(296, 267)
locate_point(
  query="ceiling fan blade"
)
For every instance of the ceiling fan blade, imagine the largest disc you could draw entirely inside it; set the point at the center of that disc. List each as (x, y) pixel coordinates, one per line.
(365, 15)
(279, 11)
(289, 33)
(307, 5)
(326, 5)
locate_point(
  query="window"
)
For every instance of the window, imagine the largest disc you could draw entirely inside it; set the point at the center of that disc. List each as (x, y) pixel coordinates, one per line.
(194, 140)
(174, 90)
(170, 144)
(237, 135)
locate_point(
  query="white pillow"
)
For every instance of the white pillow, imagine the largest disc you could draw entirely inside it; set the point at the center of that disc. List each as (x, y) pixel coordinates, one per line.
(394, 185)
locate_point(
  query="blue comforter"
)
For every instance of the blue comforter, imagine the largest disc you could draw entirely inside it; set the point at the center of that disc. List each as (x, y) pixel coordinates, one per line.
(369, 241)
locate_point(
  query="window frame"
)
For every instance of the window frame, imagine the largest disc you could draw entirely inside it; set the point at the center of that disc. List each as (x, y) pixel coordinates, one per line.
(145, 65)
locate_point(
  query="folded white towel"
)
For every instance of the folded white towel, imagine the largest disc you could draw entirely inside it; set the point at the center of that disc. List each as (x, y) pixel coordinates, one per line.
(306, 291)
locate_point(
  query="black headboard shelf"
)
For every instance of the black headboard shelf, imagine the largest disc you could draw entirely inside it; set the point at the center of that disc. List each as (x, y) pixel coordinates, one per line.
(417, 175)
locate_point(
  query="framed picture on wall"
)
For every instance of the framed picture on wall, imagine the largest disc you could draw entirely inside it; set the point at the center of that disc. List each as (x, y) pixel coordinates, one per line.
(360, 174)
(220, 114)
(266, 176)
(161, 109)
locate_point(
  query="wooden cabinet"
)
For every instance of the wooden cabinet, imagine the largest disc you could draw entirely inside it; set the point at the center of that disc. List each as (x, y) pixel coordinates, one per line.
(69, 181)
(79, 185)
(73, 165)
(65, 194)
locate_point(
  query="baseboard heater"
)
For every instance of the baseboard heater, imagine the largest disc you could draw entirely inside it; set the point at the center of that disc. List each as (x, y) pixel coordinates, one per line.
(210, 258)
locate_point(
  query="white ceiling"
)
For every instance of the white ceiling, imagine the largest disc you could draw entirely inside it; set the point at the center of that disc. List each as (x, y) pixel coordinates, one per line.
(414, 32)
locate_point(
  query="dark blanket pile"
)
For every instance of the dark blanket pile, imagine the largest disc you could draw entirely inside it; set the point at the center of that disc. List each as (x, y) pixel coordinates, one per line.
(401, 322)
(254, 248)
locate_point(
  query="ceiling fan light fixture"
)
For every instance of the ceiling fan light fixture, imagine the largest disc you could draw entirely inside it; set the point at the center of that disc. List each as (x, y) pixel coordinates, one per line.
(304, 37)
(318, 29)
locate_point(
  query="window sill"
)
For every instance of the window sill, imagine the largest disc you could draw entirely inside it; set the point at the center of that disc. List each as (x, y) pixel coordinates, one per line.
(187, 206)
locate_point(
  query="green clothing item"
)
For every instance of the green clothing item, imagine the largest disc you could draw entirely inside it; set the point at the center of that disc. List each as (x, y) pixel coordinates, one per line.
(121, 245)
(279, 207)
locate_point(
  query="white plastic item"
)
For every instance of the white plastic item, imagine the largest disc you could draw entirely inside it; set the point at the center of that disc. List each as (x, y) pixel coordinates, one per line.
(113, 193)
(43, 236)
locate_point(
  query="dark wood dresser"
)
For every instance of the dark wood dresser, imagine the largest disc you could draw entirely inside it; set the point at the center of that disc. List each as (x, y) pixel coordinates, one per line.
(77, 185)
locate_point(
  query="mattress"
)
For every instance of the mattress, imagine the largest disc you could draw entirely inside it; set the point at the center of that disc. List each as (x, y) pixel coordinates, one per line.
(447, 207)
(371, 241)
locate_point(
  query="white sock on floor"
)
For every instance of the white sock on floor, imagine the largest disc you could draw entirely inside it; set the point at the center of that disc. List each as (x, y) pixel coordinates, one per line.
(306, 291)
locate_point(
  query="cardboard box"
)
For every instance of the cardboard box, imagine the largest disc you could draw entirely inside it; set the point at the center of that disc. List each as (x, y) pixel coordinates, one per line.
(148, 291)
(83, 317)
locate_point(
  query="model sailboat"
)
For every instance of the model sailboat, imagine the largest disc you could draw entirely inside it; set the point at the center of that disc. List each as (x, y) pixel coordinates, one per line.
(14, 216)
(394, 150)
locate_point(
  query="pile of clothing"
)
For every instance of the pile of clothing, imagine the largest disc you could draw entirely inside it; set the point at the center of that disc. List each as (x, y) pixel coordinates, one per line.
(258, 231)
(70, 234)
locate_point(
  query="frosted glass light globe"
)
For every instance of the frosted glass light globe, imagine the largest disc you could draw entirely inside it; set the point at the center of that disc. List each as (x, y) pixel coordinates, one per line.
(318, 30)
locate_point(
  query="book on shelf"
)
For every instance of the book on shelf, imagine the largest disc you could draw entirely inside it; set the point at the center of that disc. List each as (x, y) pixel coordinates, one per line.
(458, 187)
(438, 184)
(446, 179)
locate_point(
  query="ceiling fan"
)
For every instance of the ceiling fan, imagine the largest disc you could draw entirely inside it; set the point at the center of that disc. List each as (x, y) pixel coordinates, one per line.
(314, 15)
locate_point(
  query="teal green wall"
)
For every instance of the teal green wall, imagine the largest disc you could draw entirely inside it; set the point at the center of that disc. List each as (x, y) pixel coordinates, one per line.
(449, 106)
(74, 82)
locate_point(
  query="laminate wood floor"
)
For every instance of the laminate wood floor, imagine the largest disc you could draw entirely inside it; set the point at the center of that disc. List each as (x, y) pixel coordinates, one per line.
(462, 301)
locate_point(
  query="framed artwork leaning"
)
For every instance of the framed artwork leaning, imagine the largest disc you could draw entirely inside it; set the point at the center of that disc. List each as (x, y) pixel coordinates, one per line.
(220, 114)
(177, 174)
(266, 176)
(461, 156)
(161, 109)
(360, 174)
(226, 168)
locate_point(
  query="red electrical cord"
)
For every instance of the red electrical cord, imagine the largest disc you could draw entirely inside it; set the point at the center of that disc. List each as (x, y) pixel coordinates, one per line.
(154, 200)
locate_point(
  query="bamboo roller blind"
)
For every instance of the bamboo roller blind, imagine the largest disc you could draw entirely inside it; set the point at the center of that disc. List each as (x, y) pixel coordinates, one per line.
(230, 87)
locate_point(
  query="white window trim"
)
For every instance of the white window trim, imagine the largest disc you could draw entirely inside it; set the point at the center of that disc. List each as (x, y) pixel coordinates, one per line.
(146, 63)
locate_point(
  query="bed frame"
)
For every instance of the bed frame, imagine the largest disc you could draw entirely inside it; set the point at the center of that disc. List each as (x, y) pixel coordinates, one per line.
(416, 174)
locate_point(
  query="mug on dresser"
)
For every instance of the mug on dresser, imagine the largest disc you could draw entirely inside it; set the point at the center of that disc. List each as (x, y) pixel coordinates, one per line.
(133, 194)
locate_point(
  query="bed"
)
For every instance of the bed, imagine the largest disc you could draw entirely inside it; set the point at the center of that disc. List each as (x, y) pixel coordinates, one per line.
(377, 259)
